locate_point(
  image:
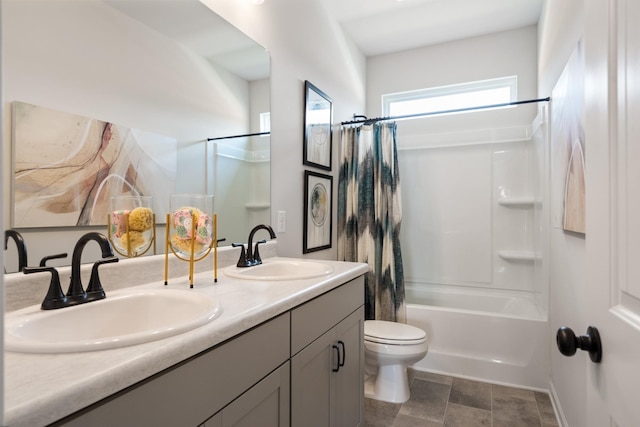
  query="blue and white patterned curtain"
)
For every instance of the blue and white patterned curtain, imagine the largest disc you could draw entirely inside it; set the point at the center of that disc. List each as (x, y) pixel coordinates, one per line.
(369, 215)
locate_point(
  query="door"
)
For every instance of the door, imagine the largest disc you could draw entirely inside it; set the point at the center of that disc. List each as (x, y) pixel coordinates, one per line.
(612, 129)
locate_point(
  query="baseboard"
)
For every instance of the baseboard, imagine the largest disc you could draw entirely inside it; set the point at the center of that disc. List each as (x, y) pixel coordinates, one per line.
(555, 401)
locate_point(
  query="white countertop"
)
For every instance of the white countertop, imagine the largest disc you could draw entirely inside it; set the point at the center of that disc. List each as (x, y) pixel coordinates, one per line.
(43, 388)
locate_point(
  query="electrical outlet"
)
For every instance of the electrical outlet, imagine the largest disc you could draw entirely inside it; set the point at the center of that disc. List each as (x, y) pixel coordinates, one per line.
(282, 221)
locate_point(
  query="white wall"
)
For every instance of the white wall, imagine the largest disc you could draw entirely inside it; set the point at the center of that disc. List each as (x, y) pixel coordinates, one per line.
(305, 44)
(560, 29)
(485, 57)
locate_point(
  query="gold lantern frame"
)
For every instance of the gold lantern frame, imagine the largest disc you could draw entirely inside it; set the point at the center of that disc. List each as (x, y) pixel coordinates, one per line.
(192, 258)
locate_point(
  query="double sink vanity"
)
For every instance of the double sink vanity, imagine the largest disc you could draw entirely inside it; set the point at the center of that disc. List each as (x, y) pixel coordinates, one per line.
(276, 344)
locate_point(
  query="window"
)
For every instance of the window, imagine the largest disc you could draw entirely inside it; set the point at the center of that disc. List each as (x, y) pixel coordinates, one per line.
(443, 98)
(265, 122)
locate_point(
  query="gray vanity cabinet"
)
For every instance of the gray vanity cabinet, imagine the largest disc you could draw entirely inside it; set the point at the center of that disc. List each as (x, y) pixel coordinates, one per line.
(301, 368)
(327, 359)
(265, 404)
(249, 372)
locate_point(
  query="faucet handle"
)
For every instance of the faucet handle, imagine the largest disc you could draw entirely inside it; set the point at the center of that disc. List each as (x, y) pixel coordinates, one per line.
(256, 255)
(94, 289)
(55, 297)
(43, 261)
(242, 262)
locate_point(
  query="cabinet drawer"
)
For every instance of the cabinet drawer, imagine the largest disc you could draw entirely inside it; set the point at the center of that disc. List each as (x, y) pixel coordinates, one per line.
(317, 316)
(187, 394)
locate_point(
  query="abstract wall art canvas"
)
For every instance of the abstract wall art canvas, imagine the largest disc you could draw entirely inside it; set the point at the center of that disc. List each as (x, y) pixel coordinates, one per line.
(67, 168)
(568, 147)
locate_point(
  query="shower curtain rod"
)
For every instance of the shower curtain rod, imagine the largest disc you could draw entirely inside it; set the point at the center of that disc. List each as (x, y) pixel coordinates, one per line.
(433, 113)
(238, 136)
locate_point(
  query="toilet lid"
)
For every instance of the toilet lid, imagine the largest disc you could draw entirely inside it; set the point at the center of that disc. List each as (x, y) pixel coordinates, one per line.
(393, 333)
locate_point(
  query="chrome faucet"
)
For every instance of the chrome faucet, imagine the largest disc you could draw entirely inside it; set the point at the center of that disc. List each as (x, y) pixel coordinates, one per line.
(55, 298)
(21, 247)
(252, 257)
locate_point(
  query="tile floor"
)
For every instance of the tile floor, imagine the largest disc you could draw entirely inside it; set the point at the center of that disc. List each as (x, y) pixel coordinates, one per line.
(444, 401)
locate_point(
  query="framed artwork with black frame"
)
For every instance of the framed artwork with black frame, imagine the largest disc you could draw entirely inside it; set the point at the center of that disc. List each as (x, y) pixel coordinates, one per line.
(318, 130)
(318, 209)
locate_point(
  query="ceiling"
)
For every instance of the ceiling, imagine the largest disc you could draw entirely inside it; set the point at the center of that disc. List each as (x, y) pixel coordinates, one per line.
(194, 26)
(375, 26)
(384, 26)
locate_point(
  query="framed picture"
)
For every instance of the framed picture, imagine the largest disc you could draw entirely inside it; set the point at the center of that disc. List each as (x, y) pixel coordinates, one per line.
(318, 116)
(318, 208)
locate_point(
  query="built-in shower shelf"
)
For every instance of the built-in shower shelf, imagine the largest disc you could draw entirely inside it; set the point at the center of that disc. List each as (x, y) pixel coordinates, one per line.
(518, 255)
(517, 202)
(257, 206)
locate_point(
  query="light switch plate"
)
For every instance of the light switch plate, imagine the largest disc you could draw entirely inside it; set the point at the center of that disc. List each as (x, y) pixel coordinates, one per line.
(282, 221)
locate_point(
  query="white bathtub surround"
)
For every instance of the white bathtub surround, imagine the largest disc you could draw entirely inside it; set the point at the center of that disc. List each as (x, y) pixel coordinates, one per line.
(476, 210)
(44, 388)
(495, 337)
(475, 240)
(495, 302)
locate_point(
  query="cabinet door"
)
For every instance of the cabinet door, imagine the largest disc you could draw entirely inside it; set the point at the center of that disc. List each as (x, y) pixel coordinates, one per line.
(215, 421)
(327, 384)
(266, 404)
(311, 382)
(349, 380)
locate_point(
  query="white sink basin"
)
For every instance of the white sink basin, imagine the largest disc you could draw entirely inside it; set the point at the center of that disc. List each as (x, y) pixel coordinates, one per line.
(280, 269)
(124, 318)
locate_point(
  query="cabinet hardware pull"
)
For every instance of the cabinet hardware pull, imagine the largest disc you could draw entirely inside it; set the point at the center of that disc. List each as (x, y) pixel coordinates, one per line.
(337, 368)
(344, 353)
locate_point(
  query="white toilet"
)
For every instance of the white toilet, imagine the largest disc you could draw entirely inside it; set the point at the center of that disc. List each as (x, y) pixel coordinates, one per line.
(389, 348)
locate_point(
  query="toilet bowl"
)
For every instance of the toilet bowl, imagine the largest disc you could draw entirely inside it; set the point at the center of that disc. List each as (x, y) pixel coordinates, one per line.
(389, 348)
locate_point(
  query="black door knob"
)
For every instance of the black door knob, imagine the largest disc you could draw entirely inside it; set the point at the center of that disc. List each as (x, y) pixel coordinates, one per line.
(568, 343)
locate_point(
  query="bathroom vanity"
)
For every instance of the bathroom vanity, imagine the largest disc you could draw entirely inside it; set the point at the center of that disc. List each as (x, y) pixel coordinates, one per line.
(281, 353)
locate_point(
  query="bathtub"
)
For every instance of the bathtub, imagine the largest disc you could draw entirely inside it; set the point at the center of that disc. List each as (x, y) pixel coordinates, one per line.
(497, 337)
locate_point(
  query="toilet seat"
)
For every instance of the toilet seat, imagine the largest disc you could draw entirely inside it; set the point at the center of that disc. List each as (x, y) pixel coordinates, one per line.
(392, 333)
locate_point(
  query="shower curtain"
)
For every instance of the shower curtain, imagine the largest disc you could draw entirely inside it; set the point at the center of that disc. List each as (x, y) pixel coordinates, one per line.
(369, 215)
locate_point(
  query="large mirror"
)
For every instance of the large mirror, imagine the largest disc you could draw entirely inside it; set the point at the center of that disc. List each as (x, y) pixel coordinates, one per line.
(172, 68)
